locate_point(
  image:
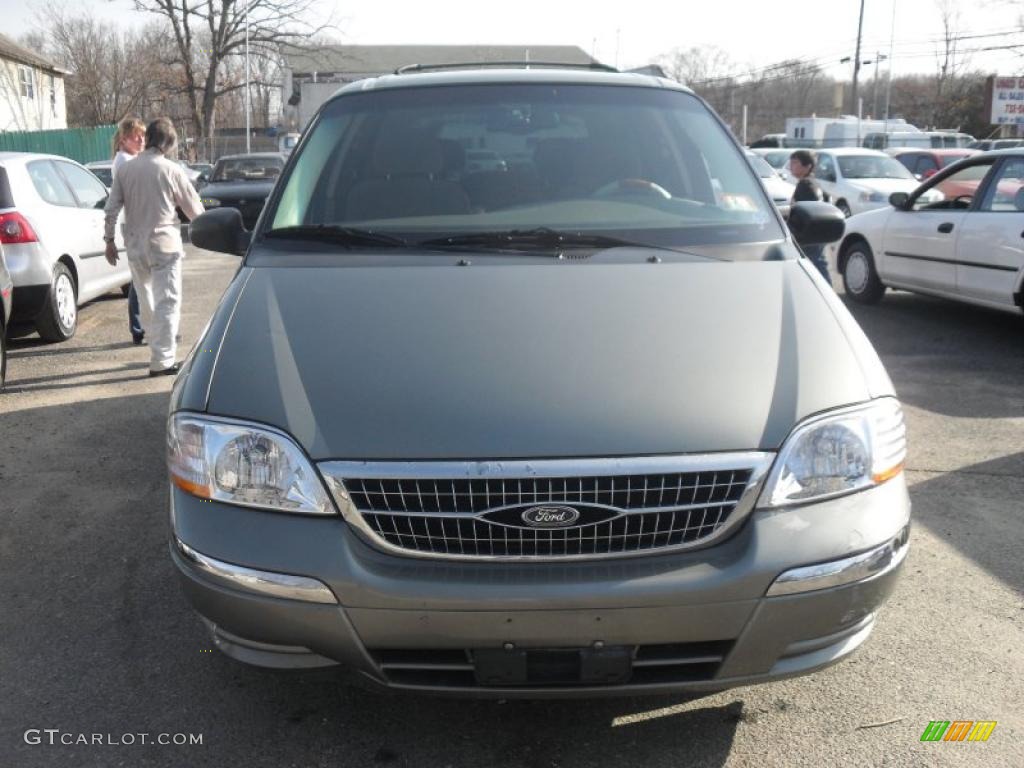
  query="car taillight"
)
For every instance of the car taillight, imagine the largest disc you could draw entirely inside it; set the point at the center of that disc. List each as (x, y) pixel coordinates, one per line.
(14, 229)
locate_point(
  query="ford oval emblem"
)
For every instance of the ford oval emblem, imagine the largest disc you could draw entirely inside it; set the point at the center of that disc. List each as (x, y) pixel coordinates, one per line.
(550, 516)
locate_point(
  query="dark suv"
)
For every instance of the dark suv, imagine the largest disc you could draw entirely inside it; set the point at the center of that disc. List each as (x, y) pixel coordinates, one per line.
(580, 419)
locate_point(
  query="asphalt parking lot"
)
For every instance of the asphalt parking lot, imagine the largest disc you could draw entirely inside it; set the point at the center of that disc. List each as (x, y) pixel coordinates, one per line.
(97, 638)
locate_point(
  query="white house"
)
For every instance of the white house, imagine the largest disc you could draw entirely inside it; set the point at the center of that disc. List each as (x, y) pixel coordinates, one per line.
(31, 90)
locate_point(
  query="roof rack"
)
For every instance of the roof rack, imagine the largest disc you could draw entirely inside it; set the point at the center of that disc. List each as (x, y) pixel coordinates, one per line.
(525, 64)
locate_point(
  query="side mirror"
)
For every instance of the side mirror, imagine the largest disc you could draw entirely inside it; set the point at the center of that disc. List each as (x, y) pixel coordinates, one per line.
(220, 230)
(101, 204)
(899, 200)
(816, 223)
(203, 177)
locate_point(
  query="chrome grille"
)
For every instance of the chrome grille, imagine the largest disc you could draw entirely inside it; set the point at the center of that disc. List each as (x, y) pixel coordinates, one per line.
(447, 509)
(469, 536)
(457, 497)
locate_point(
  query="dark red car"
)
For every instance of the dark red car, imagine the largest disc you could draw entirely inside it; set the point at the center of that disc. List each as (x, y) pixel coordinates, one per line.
(925, 163)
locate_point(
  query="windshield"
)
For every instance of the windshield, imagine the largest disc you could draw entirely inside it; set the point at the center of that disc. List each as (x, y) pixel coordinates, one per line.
(248, 168)
(778, 159)
(947, 160)
(872, 167)
(651, 166)
(103, 173)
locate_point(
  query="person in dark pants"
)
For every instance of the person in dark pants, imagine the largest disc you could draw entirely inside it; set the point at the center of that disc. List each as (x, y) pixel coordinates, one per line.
(128, 142)
(801, 165)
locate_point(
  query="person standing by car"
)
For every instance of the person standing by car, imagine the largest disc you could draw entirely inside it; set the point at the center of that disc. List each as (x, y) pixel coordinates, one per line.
(801, 165)
(128, 142)
(149, 189)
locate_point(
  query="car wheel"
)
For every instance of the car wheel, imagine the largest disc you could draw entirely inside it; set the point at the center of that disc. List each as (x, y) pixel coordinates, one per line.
(842, 206)
(859, 276)
(59, 318)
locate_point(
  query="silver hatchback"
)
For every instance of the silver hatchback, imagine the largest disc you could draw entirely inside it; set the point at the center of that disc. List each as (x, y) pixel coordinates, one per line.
(583, 423)
(51, 228)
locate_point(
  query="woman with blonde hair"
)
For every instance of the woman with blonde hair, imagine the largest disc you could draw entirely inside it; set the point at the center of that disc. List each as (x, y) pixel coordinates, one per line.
(127, 143)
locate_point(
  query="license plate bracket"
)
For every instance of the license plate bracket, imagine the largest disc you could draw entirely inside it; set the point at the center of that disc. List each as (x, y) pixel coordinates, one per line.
(553, 666)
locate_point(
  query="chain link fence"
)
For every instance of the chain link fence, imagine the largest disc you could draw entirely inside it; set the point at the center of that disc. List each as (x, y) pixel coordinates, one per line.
(209, 150)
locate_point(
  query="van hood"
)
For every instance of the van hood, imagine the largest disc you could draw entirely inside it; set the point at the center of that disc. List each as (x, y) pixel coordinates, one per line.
(502, 361)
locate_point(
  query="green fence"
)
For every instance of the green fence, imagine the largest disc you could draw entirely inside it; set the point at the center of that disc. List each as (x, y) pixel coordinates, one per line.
(81, 144)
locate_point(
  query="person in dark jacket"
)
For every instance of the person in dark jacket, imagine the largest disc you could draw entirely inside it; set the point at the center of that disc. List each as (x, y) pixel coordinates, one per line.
(801, 165)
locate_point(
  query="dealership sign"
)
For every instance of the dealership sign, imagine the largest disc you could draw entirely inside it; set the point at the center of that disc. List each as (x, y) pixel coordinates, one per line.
(1008, 101)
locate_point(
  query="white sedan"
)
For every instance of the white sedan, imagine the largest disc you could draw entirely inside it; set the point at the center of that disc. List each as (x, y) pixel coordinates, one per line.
(968, 246)
(859, 180)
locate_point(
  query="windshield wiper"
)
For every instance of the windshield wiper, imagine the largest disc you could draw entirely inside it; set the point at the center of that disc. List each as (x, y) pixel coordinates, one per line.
(333, 233)
(519, 239)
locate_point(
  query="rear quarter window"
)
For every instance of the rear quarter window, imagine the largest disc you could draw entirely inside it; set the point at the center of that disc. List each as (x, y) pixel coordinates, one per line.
(50, 185)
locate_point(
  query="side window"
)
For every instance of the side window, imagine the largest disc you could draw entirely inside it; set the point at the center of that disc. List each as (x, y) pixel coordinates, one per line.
(826, 168)
(50, 185)
(925, 165)
(87, 188)
(1006, 192)
(958, 190)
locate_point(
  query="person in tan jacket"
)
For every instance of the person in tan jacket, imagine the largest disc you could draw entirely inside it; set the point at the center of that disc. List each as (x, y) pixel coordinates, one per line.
(150, 188)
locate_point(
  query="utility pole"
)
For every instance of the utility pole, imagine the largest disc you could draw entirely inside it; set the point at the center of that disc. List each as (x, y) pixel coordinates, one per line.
(888, 82)
(248, 104)
(879, 57)
(856, 58)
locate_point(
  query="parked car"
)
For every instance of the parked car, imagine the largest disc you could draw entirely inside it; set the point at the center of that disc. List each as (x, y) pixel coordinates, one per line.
(925, 163)
(103, 170)
(51, 228)
(966, 247)
(287, 142)
(984, 145)
(859, 180)
(597, 427)
(242, 182)
(205, 170)
(770, 140)
(781, 192)
(918, 140)
(6, 293)
(190, 172)
(777, 159)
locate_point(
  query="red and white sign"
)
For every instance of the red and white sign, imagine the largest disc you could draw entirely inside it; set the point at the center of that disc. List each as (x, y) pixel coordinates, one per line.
(1008, 101)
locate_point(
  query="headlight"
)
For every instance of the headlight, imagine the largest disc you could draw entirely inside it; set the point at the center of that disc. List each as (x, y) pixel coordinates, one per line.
(242, 464)
(210, 202)
(873, 197)
(839, 453)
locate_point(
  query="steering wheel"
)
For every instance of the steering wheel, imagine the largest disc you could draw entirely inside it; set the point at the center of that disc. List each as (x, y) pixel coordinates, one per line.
(632, 187)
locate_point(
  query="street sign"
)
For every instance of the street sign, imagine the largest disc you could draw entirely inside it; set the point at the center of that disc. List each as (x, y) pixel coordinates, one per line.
(1007, 101)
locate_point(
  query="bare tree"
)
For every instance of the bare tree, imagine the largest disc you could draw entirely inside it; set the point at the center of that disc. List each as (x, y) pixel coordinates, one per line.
(697, 66)
(112, 70)
(950, 61)
(207, 34)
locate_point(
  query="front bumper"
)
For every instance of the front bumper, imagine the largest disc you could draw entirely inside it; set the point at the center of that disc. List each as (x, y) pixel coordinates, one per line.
(697, 621)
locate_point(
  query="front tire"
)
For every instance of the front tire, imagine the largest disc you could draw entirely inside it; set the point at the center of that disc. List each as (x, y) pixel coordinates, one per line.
(59, 317)
(860, 279)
